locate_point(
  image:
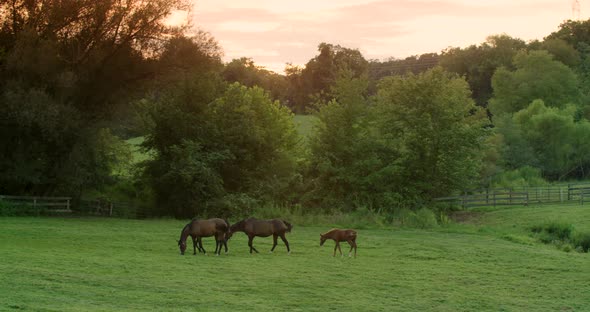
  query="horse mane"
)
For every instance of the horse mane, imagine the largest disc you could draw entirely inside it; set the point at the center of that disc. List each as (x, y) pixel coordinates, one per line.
(289, 225)
(239, 224)
(188, 225)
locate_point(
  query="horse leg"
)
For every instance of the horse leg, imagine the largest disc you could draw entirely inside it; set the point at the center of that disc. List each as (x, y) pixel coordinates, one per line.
(335, 248)
(250, 239)
(350, 242)
(339, 249)
(217, 246)
(274, 242)
(194, 246)
(225, 244)
(286, 242)
(201, 245)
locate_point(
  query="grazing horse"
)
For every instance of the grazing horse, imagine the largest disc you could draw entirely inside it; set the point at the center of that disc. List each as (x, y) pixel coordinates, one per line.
(221, 224)
(263, 228)
(338, 236)
(197, 229)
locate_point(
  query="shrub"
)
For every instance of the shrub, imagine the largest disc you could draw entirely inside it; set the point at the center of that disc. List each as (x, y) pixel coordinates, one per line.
(554, 230)
(8, 209)
(582, 240)
(422, 219)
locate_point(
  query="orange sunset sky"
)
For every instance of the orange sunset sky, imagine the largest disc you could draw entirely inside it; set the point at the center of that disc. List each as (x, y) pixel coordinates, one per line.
(274, 32)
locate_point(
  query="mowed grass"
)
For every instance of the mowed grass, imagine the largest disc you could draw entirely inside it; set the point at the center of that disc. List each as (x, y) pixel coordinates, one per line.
(94, 264)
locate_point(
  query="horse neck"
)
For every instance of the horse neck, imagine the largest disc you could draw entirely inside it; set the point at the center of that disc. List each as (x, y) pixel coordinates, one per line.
(237, 227)
(185, 232)
(332, 234)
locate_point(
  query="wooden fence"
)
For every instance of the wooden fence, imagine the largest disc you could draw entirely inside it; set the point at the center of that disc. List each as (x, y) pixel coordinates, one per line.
(520, 196)
(52, 204)
(94, 207)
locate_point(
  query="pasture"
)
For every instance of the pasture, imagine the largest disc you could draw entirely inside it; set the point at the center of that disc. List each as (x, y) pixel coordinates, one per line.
(97, 264)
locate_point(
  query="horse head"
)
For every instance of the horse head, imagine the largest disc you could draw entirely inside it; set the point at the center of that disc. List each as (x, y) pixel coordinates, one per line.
(182, 246)
(322, 239)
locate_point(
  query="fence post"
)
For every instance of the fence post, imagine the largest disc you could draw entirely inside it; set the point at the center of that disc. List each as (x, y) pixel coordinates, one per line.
(561, 194)
(494, 195)
(68, 204)
(569, 196)
(110, 209)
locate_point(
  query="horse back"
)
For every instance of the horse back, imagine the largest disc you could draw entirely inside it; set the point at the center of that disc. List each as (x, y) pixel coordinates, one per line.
(203, 228)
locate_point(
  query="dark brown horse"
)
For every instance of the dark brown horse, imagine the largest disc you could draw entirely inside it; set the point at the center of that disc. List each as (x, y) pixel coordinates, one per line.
(197, 229)
(338, 236)
(263, 228)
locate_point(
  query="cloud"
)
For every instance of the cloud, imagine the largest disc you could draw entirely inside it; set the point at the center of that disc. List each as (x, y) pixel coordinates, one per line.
(380, 26)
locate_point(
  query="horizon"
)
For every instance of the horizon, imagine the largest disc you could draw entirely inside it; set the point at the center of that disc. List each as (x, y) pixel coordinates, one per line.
(274, 34)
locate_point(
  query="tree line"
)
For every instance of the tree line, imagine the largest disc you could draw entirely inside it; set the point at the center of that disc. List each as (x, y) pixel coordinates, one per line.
(78, 78)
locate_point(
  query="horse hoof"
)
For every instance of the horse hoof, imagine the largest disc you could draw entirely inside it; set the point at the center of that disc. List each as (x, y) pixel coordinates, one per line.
(289, 253)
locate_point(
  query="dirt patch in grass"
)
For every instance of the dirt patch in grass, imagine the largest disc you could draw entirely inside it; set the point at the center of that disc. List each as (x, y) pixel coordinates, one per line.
(466, 216)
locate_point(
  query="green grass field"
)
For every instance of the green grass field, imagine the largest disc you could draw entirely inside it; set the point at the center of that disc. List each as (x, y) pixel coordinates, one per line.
(95, 264)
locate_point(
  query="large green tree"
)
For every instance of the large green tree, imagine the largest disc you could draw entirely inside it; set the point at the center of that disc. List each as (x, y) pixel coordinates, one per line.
(537, 76)
(215, 147)
(479, 62)
(67, 67)
(549, 138)
(437, 131)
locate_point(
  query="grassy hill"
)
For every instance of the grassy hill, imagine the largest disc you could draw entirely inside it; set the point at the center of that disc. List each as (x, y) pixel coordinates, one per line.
(73, 264)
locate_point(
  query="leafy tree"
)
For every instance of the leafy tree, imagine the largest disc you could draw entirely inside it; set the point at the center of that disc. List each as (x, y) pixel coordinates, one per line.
(437, 130)
(560, 49)
(420, 140)
(573, 32)
(537, 76)
(554, 137)
(478, 63)
(67, 67)
(321, 72)
(212, 146)
(340, 146)
(244, 71)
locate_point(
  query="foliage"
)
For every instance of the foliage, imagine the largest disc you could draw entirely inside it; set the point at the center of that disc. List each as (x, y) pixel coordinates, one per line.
(319, 75)
(244, 71)
(478, 63)
(547, 138)
(209, 146)
(520, 177)
(396, 67)
(432, 125)
(582, 240)
(537, 76)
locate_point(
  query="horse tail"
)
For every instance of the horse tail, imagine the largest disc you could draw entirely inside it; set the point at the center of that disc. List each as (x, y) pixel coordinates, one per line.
(289, 225)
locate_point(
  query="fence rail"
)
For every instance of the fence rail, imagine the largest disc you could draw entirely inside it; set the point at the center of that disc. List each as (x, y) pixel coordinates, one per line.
(520, 196)
(53, 204)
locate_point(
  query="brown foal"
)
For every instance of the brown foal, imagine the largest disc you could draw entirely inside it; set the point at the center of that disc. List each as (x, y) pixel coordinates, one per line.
(338, 236)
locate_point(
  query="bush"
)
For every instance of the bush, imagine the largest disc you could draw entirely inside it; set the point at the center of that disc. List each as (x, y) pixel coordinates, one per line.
(582, 240)
(8, 209)
(422, 219)
(521, 177)
(554, 230)
(562, 235)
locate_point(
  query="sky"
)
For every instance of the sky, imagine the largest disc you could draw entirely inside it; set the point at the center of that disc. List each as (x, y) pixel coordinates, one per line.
(276, 32)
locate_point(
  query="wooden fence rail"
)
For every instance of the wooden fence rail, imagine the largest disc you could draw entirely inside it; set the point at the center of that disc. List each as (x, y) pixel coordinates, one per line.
(53, 204)
(520, 196)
